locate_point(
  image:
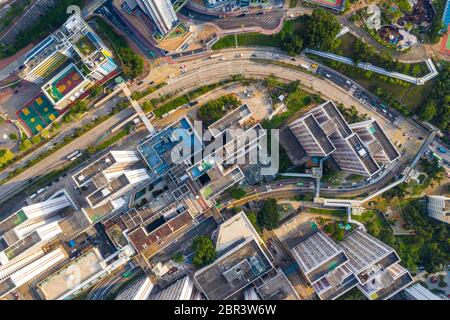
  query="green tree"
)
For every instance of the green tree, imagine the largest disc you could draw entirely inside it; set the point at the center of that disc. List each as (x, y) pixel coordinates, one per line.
(237, 193)
(292, 43)
(45, 134)
(429, 111)
(95, 91)
(404, 5)
(13, 136)
(56, 125)
(216, 109)
(76, 111)
(432, 169)
(178, 257)
(25, 145)
(416, 70)
(269, 217)
(147, 106)
(36, 140)
(434, 259)
(320, 30)
(205, 252)
(6, 155)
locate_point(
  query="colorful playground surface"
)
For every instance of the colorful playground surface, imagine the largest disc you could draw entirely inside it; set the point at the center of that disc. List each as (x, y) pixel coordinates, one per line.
(445, 43)
(37, 114)
(333, 4)
(63, 83)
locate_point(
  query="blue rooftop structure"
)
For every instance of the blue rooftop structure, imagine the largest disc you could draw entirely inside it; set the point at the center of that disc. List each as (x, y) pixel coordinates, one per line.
(157, 150)
(41, 46)
(446, 15)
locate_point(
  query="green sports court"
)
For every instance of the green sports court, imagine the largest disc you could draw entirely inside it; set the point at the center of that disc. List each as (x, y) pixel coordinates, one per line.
(37, 114)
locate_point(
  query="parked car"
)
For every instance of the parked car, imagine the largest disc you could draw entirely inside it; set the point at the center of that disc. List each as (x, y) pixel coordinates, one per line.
(442, 149)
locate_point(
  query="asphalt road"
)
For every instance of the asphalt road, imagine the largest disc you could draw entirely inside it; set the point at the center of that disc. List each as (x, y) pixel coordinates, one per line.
(206, 70)
(101, 290)
(59, 156)
(267, 21)
(288, 189)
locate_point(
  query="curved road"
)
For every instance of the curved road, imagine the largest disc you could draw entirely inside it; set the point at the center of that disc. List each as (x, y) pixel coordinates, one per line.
(288, 188)
(205, 71)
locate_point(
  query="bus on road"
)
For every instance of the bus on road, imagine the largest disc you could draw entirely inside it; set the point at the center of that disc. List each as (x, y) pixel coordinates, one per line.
(72, 156)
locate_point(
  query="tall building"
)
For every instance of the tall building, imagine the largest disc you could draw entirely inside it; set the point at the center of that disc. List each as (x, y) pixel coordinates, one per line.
(419, 292)
(359, 260)
(161, 12)
(106, 183)
(243, 263)
(74, 55)
(137, 291)
(75, 41)
(182, 289)
(32, 226)
(355, 148)
(438, 207)
(25, 234)
(375, 140)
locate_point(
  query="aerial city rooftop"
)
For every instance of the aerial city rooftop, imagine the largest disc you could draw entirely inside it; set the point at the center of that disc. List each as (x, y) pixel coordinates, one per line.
(224, 150)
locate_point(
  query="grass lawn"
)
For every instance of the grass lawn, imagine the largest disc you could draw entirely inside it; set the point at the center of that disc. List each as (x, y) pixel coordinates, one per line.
(373, 221)
(105, 144)
(415, 96)
(257, 39)
(353, 294)
(298, 100)
(225, 42)
(346, 46)
(341, 213)
(247, 39)
(355, 178)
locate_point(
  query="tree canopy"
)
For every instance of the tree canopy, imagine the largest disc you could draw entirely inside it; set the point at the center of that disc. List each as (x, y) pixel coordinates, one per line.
(237, 193)
(6, 155)
(430, 245)
(321, 29)
(269, 216)
(75, 112)
(95, 91)
(216, 109)
(205, 252)
(436, 108)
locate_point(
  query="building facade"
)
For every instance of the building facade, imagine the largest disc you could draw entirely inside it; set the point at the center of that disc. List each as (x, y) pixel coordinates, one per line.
(356, 148)
(161, 12)
(438, 207)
